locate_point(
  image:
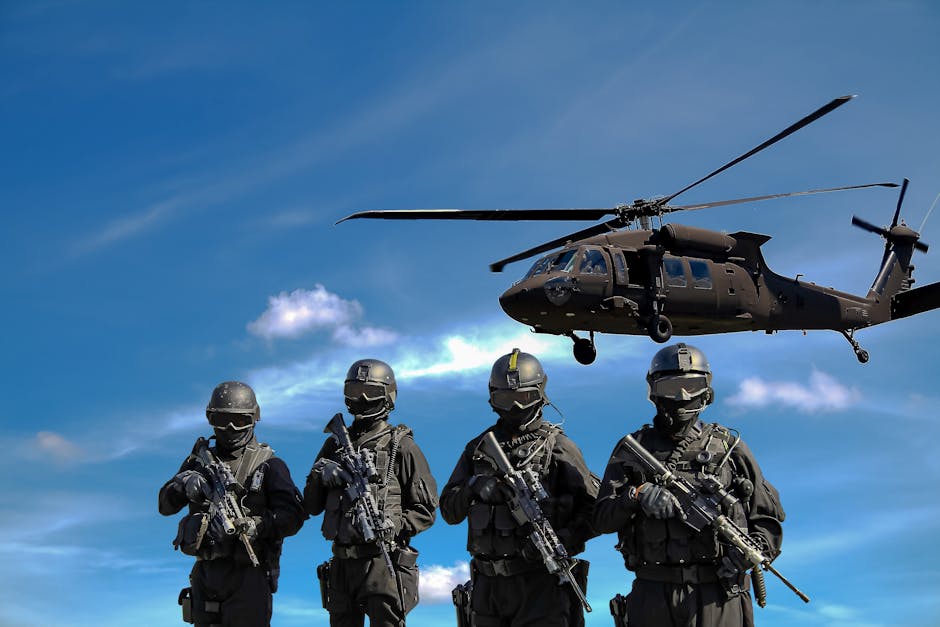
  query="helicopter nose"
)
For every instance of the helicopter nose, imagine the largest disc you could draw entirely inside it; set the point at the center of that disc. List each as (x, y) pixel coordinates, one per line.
(514, 301)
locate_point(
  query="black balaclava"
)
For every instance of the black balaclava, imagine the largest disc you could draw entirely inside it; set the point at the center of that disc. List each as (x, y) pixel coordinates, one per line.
(516, 421)
(230, 441)
(674, 418)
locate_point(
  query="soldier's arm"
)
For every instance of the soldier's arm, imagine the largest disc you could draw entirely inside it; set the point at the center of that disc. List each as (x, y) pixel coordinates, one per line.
(419, 490)
(314, 490)
(285, 514)
(578, 484)
(456, 496)
(171, 498)
(765, 513)
(613, 508)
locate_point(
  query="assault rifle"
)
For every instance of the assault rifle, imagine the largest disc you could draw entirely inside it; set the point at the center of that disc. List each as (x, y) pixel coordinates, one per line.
(527, 491)
(368, 520)
(225, 510)
(702, 509)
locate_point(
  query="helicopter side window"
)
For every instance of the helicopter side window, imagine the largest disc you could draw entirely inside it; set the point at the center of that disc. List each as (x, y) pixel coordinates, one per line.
(620, 267)
(675, 273)
(564, 261)
(637, 270)
(593, 262)
(701, 277)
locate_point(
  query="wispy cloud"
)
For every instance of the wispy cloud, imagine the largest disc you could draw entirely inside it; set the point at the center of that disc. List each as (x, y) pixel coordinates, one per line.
(290, 315)
(436, 581)
(52, 445)
(823, 393)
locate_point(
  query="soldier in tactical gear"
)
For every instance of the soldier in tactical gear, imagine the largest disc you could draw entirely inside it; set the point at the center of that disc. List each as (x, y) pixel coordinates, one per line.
(356, 582)
(684, 577)
(510, 583)
(226, 587)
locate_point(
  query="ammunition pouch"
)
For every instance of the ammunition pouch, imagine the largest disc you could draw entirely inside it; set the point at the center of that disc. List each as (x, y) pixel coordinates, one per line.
(185, 601)
(618, 609)
(323, 576)
(733, 586)
(191, 532)
(461, 596)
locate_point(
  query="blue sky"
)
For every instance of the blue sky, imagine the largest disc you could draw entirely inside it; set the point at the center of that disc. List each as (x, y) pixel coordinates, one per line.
(172, 175)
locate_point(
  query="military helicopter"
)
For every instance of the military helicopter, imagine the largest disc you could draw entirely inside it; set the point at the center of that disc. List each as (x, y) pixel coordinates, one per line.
(623, 276)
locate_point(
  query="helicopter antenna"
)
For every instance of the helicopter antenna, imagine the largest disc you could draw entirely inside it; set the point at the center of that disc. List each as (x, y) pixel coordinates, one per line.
(922, 224)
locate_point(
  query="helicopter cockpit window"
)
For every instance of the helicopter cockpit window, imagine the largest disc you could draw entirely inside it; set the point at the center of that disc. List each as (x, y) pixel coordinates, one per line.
(701, 277)
(675, 273)
(564, 261)
(593, 262)
(539, 266)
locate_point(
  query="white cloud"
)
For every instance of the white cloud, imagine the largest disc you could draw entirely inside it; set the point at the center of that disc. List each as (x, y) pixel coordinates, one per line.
(301, 311)
(48, 444)
(822, 394)
(436, 582)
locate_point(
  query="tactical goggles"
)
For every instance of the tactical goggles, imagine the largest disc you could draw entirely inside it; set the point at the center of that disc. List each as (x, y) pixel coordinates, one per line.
(679, 387)
(364, 390)
(226, 420)
(523, 398)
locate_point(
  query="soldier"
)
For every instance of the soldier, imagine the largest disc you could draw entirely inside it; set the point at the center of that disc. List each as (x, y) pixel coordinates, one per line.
(511, 585)
(685, 577)
(357, 581)
(242, 504)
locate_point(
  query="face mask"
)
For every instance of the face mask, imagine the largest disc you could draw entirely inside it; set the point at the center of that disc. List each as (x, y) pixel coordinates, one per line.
(674, 417)
(519, 420)
(229, 440)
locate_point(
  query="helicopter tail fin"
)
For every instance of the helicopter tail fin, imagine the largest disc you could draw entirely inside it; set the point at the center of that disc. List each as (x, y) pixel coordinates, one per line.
(911, 302)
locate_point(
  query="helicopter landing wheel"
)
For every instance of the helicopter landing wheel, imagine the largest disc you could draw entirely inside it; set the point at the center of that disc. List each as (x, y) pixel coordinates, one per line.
(862, 355)
(585, 351)
(660, 328)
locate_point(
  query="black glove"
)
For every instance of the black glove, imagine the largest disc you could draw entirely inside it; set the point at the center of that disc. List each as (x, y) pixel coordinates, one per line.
(488, 489)
(332, 474)
(658, 502)
(193, 485)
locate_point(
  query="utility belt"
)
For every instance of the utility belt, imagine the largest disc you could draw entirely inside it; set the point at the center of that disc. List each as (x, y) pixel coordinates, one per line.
(356, 551)
(694, 574)
(504, 567)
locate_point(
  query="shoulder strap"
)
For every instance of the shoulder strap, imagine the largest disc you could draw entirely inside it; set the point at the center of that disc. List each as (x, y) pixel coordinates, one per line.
(254, 457)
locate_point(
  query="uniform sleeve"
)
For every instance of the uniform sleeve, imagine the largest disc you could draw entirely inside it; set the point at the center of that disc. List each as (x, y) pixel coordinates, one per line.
(764, 512)
(171, 499)
(581, 487)
(418, 488)
(285, 514)
(314, 490)
(613, 510)
(456, 496)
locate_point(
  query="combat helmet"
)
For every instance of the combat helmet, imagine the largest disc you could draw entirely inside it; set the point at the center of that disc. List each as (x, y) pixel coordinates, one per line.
(517, 388)
(679, 380)
(370, 389)
(233, 405)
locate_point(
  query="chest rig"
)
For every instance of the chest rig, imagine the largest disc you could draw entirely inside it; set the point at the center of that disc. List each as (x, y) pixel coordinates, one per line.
(705, 450)
(386, 490)
(491, 529)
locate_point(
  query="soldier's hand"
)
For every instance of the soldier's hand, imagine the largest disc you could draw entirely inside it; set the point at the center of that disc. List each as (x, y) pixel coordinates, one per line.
(658, 502)
(488, 489)
(332, 473)
(251, 526)
(193, 485)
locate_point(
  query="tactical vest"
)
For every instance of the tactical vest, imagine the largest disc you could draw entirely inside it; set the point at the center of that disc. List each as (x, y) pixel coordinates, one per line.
(645, 540)
(491, 529)
(249, 470)
(337, 520)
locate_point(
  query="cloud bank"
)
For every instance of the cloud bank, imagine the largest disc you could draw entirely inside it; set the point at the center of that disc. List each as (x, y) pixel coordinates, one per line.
(303, 311)
(822, 394)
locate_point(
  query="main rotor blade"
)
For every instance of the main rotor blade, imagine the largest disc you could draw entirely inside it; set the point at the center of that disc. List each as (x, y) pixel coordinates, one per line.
(812, 117)
(736, 201)
(597, 229)
(484, 214)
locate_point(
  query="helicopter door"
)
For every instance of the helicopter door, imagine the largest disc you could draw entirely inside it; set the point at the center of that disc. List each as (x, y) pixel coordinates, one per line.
(594, 272)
